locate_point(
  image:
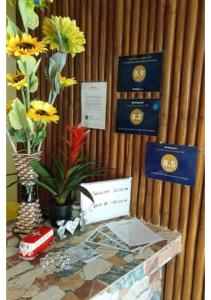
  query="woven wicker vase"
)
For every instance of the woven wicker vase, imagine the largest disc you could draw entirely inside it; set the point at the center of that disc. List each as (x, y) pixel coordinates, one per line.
(29, 213)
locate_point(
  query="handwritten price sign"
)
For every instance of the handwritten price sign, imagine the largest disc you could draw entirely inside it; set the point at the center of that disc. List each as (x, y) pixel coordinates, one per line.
(111, 199)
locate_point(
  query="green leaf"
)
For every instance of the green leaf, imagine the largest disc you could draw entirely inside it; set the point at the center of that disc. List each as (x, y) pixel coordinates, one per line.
(12, 28)
(28, 65)
(46, 177)
(86, 192)
(29, 17)
(40, 169)
(56, 64)
(14, 182)
(18, 119)
(33, 83)
(59, 167)
(46, 186)
(40, 136)
(11, 174)
(19, 136)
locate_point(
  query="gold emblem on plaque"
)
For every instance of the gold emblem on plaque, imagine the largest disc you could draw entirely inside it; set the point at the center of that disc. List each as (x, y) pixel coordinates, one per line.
(136, 116)
(169, 163)
(139, 73)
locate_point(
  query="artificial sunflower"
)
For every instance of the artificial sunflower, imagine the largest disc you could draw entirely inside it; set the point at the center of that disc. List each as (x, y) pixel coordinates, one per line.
(26, 45)
(63, 34)
(17, 80)
(41, 111)
(65, 82)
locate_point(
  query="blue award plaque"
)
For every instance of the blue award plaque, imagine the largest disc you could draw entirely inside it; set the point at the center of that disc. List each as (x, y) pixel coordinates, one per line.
(174, 163)
(140, 72)
(138, 116)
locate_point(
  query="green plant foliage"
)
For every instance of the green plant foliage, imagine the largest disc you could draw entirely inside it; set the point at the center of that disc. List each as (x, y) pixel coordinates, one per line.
(28, 65)
(56, 64)
(12, 28)
(18, 119)
(29, 17)
(65, 181)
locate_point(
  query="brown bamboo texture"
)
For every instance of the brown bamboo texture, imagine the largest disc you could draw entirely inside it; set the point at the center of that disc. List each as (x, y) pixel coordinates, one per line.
(127, 27)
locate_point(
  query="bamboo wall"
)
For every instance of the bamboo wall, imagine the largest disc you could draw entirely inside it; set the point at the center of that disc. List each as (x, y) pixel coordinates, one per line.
(123, 27)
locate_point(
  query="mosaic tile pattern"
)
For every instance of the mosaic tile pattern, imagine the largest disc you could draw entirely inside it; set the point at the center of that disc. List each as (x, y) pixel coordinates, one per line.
(113, 276)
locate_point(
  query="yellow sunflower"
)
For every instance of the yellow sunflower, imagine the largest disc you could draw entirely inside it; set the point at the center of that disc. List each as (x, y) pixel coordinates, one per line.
(17, 80)
(65, 82)
(25, 45)
(41, 111)
(63, 34)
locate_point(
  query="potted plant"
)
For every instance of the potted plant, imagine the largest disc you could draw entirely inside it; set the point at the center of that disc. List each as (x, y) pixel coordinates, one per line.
(64, 182)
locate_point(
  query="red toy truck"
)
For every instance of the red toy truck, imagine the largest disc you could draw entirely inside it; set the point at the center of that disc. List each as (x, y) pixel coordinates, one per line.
(35, 242)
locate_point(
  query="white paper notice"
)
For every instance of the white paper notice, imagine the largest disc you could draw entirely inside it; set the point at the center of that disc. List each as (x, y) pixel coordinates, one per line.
(93, 104)
(111, 199)
(133, 232)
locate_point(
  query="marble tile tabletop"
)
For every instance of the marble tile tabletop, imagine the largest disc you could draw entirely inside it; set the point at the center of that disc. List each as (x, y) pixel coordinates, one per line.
(116, 274)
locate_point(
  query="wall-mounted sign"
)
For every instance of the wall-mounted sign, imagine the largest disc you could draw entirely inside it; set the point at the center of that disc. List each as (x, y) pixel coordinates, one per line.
(174, 163)
(140, 72)
(138, 116)
(93, 104)
(111, 199)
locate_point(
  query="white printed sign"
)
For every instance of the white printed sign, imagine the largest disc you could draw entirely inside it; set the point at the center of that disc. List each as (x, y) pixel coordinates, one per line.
(93, 104)
(111, 199)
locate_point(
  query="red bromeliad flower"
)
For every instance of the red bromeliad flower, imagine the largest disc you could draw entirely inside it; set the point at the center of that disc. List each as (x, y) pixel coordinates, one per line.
(77, 137)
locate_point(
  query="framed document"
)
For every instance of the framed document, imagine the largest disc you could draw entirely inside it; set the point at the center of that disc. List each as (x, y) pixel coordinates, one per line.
(140, 73)
(138, 116)
(174, 163)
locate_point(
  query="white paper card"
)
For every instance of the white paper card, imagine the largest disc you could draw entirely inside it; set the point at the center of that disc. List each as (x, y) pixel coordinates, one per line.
(133, 232)
(93, 104)
(111, 199)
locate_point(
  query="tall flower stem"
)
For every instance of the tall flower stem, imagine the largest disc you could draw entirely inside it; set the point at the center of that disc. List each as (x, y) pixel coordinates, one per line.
(24, 98)
(11, 142)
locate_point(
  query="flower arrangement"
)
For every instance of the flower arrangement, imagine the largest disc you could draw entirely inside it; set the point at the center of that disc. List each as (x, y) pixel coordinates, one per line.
(66, 180)
(28, 117)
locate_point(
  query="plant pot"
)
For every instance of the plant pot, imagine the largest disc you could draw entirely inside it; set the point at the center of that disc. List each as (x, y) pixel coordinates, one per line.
(58, 212)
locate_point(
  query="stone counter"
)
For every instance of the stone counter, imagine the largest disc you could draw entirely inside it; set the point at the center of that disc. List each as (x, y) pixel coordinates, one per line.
(115, 275)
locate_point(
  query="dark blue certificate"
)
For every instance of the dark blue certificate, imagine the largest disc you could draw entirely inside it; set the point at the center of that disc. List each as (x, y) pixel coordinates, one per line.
(140, 72)
(138, 116)
(172, 163)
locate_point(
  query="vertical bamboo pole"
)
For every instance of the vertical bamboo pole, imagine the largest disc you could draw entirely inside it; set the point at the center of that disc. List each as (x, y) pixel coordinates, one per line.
(88, 55)
(136, 139)
(70, 110)
(198, 84)
(82, 62)
(173, 112)
(125, 51)
(144, 20)
(150, 48)
(109, 77)
(194, 209)
(102, 62)
(118, 34)
(94, 77)
(198, 278)
(77, 71)
(169, 47)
